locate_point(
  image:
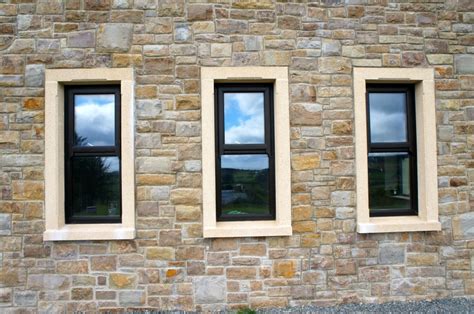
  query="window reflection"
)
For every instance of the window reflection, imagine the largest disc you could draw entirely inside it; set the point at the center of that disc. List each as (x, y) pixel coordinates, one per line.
(244, 185)
(389, 182)
(388, 117)
(94, 120)
(96, 186)
(244, 118)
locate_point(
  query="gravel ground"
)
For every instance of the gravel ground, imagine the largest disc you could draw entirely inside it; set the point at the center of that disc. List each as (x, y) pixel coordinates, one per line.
(457, 305)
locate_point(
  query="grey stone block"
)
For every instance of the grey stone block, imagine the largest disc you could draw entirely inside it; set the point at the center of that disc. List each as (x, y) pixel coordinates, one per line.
(210, 289)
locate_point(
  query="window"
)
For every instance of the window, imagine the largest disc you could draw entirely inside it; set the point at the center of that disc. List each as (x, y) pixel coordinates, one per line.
(246, 152)
(89, 168)
(395, 133)
(391, 141)
(92, 154)
(245, 164)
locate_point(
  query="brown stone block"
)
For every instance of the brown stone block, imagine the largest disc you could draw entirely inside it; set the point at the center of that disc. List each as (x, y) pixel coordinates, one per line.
(302, 212)
(200, 12)
(422, 259)
(188, 102)
(253, 249)
(185, 196)
(284, 269)
(159, 66)
(305, 114)
(103, 263)
(170, 237)
(81, 293)
(305, 162)
(35, 103)
(97, 5)
(122, 281)
(241, 272)
(129, 16)
(123, 246)
(304, 226)
(29, 190)
(156, 179)
(345, 267)
(126, 60)
(374, 273)
(160, 253)
(188, 213)
(12, 65)
(72, 267)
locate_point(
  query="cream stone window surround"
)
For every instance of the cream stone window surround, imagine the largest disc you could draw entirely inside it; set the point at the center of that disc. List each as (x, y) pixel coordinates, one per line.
(56, 229)
(281, 226)
(427, 218)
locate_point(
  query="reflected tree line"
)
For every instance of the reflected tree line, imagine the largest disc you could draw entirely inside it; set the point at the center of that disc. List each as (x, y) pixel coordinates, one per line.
(95, 184)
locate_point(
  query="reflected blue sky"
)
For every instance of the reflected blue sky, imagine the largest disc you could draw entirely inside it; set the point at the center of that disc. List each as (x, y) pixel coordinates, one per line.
(244, 162)
(112, 163)
(388, 119)
(95, 118)
(244, 118)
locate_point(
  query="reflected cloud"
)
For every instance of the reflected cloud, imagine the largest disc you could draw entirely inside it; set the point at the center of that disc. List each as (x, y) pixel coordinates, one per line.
(388, 120)
(95, 119)
(244, 118)
(244, 162)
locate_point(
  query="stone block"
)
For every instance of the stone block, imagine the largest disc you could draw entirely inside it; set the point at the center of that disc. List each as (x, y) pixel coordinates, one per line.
(463, 226)
(103, 263)
(391, 254)
(122, 281)
(48, 282)
(209, 289)
(5, 224)
(200, 12)
(221, 50)
(84, 39)
(464, 64)
(81, 293)
(343, 198)
(34, 75)
(305, 162)
(170, 237)
(132, 298)
(114, 37)
(335, 65)
(160, 253)
(72, 267)
(284, 269)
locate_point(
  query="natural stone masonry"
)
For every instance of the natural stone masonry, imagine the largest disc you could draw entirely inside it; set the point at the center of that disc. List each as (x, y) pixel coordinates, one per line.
(169, 265)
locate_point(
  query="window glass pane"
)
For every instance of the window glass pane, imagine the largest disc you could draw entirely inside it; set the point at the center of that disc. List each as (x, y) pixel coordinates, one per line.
(244, 185)
(388, 117)
(96, 186)
(94, 120)
(244, 118)
(389, 182)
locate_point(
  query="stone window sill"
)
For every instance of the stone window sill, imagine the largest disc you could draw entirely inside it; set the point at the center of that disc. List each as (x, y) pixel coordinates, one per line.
(90, 232)
(398, 224)
(230, 229)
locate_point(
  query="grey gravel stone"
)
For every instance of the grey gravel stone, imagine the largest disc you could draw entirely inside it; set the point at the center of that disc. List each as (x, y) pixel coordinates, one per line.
(456, 305)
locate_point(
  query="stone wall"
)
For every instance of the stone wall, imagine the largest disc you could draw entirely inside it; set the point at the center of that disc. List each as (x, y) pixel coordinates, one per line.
(170, 265)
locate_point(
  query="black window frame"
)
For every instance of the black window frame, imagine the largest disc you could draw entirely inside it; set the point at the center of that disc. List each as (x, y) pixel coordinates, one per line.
(71, 151)
(247, 149)
(397, 147)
